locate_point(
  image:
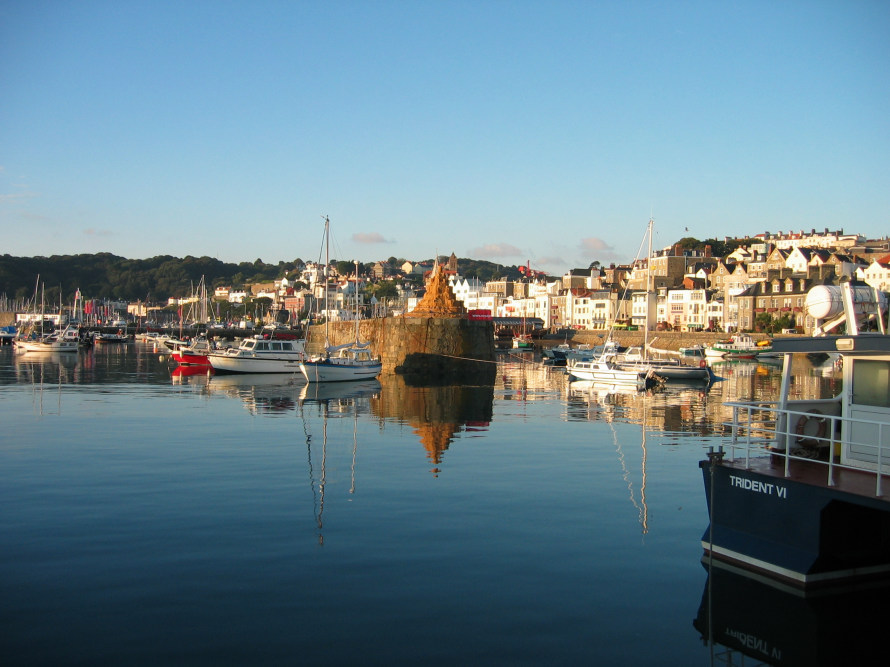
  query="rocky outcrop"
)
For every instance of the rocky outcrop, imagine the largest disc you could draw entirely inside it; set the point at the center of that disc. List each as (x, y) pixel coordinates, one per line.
(439, 300)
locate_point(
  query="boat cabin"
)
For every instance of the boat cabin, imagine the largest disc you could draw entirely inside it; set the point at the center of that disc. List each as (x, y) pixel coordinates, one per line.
(261, 345)
(849, 426)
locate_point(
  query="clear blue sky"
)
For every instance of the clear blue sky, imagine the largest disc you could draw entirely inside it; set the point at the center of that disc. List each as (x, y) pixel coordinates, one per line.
(506, 131)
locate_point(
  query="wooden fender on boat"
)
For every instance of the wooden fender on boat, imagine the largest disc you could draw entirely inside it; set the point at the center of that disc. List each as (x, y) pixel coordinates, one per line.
(811, 429)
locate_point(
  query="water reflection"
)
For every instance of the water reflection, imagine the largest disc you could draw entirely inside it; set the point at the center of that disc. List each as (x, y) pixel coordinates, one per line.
(345, 469)
(682, 409)
(46, 372)
(335, 394)
(436, 414)
(267, 394)
(329, 401)
(196, 375)
(742, 615)
(526, 380)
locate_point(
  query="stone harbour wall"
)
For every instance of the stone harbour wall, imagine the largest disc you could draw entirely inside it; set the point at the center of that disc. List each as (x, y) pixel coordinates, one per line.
(662, 340)
(422, 349)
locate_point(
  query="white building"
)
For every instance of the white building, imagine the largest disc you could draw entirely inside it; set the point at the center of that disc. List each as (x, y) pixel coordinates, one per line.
(643, 310)
(876, 274)
(237, 296)
(812, 239)
(685, 310)
(714, 318)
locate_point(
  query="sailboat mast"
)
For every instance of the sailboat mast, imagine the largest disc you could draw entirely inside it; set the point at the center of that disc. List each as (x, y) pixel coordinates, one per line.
(649, 286)
(327, 263)
(356, 301)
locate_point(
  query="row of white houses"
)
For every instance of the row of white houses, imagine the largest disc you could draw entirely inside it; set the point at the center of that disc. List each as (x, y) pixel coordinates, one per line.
(733, 307)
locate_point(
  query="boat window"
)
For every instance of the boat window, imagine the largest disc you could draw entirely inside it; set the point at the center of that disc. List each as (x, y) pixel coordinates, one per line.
(262, 346)
(249, 344)
(871, 383)
(275, 346)
(287, 346)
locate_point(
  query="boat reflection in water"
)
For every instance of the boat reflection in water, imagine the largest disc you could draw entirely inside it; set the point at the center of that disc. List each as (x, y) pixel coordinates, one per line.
(190, 375)
(742, 615)
(45, 371)
(324, 392)
(33, 365)
(271, 394)
(679, 408)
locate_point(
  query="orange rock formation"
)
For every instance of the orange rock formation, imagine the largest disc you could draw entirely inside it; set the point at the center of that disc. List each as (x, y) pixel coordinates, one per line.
(439, 300)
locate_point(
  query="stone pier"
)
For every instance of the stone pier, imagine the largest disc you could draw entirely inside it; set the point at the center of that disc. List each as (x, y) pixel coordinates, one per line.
(424, 350)
(436, 343)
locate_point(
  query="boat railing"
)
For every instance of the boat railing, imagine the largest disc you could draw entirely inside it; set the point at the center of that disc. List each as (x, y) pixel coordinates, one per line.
(813, 431)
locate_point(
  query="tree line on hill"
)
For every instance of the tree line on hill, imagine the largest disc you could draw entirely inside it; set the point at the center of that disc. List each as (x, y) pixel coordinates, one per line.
(107, 276)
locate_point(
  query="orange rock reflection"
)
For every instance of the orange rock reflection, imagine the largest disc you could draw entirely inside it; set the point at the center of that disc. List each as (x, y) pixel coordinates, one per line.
(436, 414)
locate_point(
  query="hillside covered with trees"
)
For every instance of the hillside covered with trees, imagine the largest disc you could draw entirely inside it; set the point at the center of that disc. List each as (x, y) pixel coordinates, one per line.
(107, 276)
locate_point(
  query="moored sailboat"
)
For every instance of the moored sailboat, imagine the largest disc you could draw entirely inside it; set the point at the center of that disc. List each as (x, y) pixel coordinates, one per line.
(604, 370)
(639, 358)
(342, 363)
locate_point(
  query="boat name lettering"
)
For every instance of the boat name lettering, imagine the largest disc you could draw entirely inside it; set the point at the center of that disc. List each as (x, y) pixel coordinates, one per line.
(753, 642)
(758, 487)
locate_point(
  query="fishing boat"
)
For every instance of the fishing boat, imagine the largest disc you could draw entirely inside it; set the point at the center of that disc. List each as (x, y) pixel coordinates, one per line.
(556, 354)
(740, 346)
(799, 494)
(195, 353)
(110, 337)
(167, 343)
(258, 355)
(342, 363)
(523, 342)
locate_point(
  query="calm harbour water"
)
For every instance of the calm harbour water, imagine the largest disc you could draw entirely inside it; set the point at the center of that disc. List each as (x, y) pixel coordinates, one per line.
(156, 518)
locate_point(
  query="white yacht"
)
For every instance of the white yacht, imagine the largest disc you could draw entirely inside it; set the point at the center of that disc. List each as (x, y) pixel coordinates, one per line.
(604, 369)
(257, 355)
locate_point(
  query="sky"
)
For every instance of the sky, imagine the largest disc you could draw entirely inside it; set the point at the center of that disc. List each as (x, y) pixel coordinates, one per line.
(517, 132)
